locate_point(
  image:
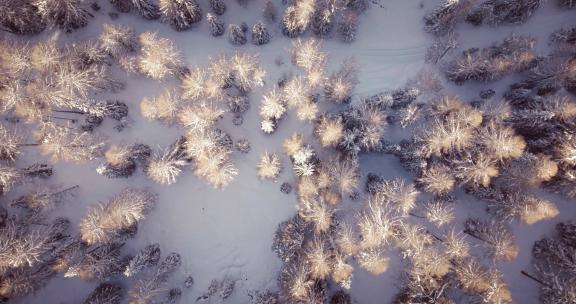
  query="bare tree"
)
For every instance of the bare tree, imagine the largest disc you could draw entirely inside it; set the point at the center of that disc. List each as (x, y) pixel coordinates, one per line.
(64, 143)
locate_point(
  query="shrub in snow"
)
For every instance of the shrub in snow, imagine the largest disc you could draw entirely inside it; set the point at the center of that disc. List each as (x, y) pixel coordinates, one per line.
(238, 104)
(105, 293)
(20, 17)
(216, 26)
(260, 34)
(236, 35)
(286, 188)
(180, 14)
(439, 213)
(348, 27)
(218, 6)
(105, 222)
(67, 14)
(159, 57)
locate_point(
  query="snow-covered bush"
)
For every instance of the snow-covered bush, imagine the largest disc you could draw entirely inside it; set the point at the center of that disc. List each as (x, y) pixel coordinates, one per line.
(164, 107)
(117, 39)
(348, 27)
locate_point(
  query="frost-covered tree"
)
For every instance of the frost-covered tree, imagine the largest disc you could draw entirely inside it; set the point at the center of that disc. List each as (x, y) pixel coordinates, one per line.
(10, 176)
(437, 179)
(42, 199)
(218, 6)
(341, 83)
(117, 39)
(511, 204)
(105, 222)
(180, 14)
(99, 263)
(554, 265)
(105, 293)
(67, 14)
(165, 166)
(307, 54)
(216, 26)
(474, 170)
(329, 131)
(270, 13)
(323, 18)
(146, 8)
(496, 237)
(260, 34)
(236, 35)
(63, 143)
(148, 257)
(21, 17)
(398, 194)
(269, 166)
(495, 12)
(148, 288)
(443, 18)
(501, 142)
(10, 144)
(121, 161)
(25, 280)
(567, 3)
(348, 27)
(159, 58)
(164, 107)
(297, 17)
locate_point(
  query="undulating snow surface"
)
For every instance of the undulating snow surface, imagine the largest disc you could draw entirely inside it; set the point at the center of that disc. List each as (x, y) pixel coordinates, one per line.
(228, 233)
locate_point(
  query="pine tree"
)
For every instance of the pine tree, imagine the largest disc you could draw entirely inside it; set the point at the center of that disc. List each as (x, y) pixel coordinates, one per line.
(218, 6)
(216, 26)
(260, 34)
(236, 35)
(181, 14)
(164, 167)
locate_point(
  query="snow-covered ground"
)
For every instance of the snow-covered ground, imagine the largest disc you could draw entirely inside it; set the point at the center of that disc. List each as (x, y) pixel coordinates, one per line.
(228, 233)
